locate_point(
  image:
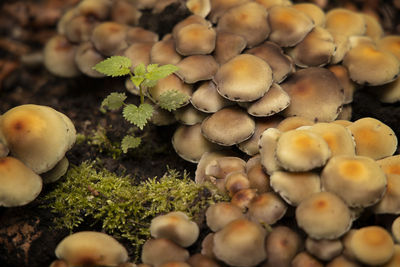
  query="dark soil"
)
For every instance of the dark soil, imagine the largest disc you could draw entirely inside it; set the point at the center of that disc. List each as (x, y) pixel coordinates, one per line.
(27, 237)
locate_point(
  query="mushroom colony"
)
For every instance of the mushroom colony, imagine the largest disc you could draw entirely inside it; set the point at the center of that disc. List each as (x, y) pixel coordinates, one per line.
(275, 80)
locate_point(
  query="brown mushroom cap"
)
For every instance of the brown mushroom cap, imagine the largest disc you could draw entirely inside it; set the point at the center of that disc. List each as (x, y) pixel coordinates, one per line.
(199, 7)
(313, 11)
(207, 99)
(140, 35)
(310, 87)
(294, 187)
(373, 138)
(243, 78)
(91, 248)
(324, 249)
(243, 197)
(125, 12)
(219, 7)
(200, 260)
(390, 43)
(345, 21)
(342, 74)
(248, 20)
(100, 9)
(372, 245)
(80, 28)
(163, 52)
(187, 21)
(288, 25)
(228, 45)
(19, 184)
(301, 150)
(395, 260)
(220, 167)
(323, 216)
(258, 178)
(175, 226)
(374, 28)
(138, 53)
(390, 165)
(171, 82)
(240, 243)
(195, 39)
(358, 180)
(188, 115)
(236, 181)
(197, 68)
(275, 100)
(86, 57)
(218, 215)
(266, 208)
(228, 126)
(267, 145)
(161, 250)
(342, 44)
(305, 259)
(294, 122)
(342, 261)
(390, 202)
(109, 38)
(395, 229)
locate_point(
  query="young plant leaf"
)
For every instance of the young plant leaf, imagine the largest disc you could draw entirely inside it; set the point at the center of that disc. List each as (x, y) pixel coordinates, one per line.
(137, 81)
(172, 100)
(113, 101)
(114, 66)
(139, 70)
(130, 141)
(138, 115)
(156, 73)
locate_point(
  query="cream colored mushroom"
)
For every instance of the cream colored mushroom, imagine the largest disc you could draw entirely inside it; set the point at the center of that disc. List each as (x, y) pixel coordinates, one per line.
(199, 7)
(86, 57)
(197, 68)
(324, 249)
(390, 202)
(274, 101)
(267, 144)
(200, 260)
(161, 250)
(313, 11)
(163, 52)
(195, 39)
(266, 208)
(218, 215)
(349, 87)
(227, 46)
(395, 229)
(207, 99)
(345, 21)
(258, 178)
(305, 259)
(109, 38)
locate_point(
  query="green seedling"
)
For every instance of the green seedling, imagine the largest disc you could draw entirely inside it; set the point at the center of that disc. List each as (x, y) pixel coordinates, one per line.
(143, 77)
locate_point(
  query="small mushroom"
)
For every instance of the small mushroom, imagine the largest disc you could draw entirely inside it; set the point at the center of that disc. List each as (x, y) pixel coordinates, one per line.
(109, 38)
(219, 7)
(313, 11)
(227, 46)
(207, 99)
(267, 145)
(324, 249)
(293, 122)
(140, 35)
(374, 28)
(125, 12)
(195, 39)
(197, 68)
(56, 172)
(80, 28)
(243, 198)
(199, 7)
(236, 181)
(258, 178)
(188, 115)
(86, 57)
(100, 9)
(390, 202)
(345, 21)
(349, 87)
(390, 165)
(274, 101)
(266, 208)
(187, 21)
(395, 229)
(200, 260)
(342, 261)
(161, 250)
(171, 82)
(138, 53)
(390, 43)
(218, 215)
(220, 167)
(163, 52)
(305, 259)
(395, 260)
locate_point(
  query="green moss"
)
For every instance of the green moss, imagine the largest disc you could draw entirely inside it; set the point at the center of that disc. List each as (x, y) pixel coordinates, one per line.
(98, 138)
(124, 210)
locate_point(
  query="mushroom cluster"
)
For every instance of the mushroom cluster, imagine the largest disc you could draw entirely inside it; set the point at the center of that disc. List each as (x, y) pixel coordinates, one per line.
(37, 138)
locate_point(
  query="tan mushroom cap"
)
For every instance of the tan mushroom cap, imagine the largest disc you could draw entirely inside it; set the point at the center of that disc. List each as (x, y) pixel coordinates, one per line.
(324, 249)
(236, 181)
(161, 250)
(163, 52)
(79, 28)
(243, 78)
(175, 264)
(270, 3)
(373, 138)
(342, 261)
(294, 187)
(294, 122)
(390, 43)
(228, 126)
(282, 244)
(310, 87)
(323, 216)
(228, 45)
(171, 82)
(199, 7)
(243, 198)
(390, 202)
(188, 115)
(59, 56)
(65, 19)
(86, 57)
(195, 39)
(138, 53)
(395, 260)
(267, 145)
(395, 229)
(345, 21)
(305, 259)
(19, 184)
(372, 245)
(315, 50)
(189, 143)
(218, 215)
(390, 165)
(281, 64)
(301, 150)
(274, 100)
(342, 44)
(56, 172)
(206, 159)
(220, 167)
(240, 243)
(338, 137)
(36, 135)
(140, 35)
(100, 9)
(266, 208)
(160, 117)
(258, 178)
(349, 87)
(207, 246)
(219, 7)
(109, 38)
(358, 180)
(346, 112)
(175, 226)
(91, 248)
(125, 12)
(189, 20)
(288, 25)
(388, 93)
(313, 11)
(248, 20)
(370, 65)
(197, 68)
(200, 260)
(343, 122)
(207, 99)
(374, 28)
(250, 146)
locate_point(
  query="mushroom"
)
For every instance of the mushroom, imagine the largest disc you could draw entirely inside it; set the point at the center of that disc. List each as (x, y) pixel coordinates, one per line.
(109, 38)
(305, 259)
(218, 215)
(243, 198)
(274, 101)
(342, 261)
(195, 39)
(99, 9)
(390, 165)
(349, 87)
(88, 248)
(188, 115)
(267, 145)
(86, 57)
(270, 3)
(240, 243)
(207, 246)
(140, 35)
(323, 215)
(345, 21)
(374, 28)
(258, 179)
(207, 99)
(163, 52)
(313, 11)
(266, 208)
(80, 28)
(219, 7)
(390, 202)
(196, 68)
(373, 138)
(342, 44)
(395, 260)
(138, 53)
(56, 172)
(243, 78)
(200, 260)
(199, 7)
(388, 93)
(236, 181)
(176, 227)
(228, 45)
(390, 43)
(358, 180)
(171, 82)
(324, 249)
(125, 12)
(19, 185)
(187, 21)
(294, 122)
(395, 229)
(161, 250)
(220, 167)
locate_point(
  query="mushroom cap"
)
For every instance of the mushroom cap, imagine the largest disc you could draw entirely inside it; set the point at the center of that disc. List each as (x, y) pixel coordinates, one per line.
(323, 215)
(171, 82)
(227, 46)
(266, 208)
(175, 226)
(228, 126)
(369, 65)
(200, 260)
(258, 178)
(288, 25)
(161, 250)
(240, 243)
(56, 172)
(324, 249)
(390, 43)
(138, 53)
(100, 9)
(125, 12)
(220, 167)
(270, 3)
(109, 37)
(80, 28)
(207, 245)
(248, 20)
(342, 261)
(345, 21)
(199, 7)
(281, 64)
(338, 138)
(390, 165)
(395, 260)
(218, 215)
(274, 100)
(207, 99)
(243, 197)
(390, 202)
(219, 7)
(342, 44)
(236, 181)
(267, 145)
(305, 259)
(197, 68)
(372, 245)
(206, 159)
(374, 28)
(188, 115)
(86, 57)
(395, 229)
(163, 52)
(243, 78)
(59, 56)
(91, 248)
(293, 122)
(187, 21)
(342, 74)
(190, 144)
(294, 187)
(358, 180)
(19, 184)
(37, 135)
(390, 92)
(373, 138)
(195, 39)
(301, 150)
(140, 35)
(308, 88)
(313, 11)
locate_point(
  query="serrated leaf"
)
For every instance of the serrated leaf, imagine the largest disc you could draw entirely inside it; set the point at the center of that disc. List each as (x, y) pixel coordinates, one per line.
(152, 67)
(137, 81)
(114, 66)
(113, 101)
(149, 83)
(172, 100)
(160, 72)
(138, 115)
(130, 141)
(139, 70)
